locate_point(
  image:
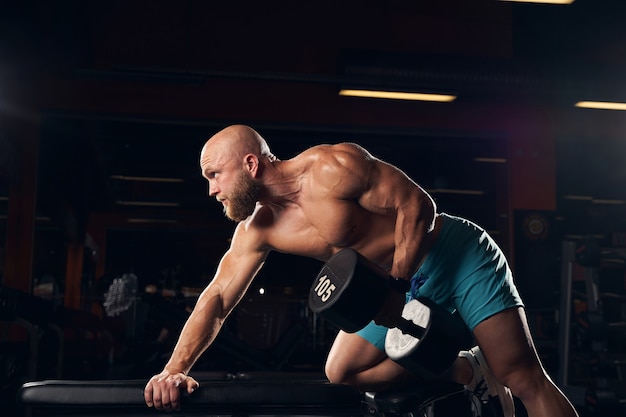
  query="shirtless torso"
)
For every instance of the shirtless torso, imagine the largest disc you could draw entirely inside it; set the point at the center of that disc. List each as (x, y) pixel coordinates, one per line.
(334, 204)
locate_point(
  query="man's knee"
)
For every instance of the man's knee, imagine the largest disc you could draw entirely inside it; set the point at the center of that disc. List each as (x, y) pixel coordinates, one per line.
(338, 365)
(525, 380)
(336, 373)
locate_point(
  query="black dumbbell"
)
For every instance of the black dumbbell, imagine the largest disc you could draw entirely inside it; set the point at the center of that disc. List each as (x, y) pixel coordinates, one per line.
(350, 290)
(444, 335)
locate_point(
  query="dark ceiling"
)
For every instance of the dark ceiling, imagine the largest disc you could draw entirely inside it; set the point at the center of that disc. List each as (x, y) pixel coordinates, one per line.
(134, 88)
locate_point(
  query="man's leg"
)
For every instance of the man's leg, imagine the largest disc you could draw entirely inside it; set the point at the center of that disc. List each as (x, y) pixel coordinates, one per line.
(507, 346)
(355, 361)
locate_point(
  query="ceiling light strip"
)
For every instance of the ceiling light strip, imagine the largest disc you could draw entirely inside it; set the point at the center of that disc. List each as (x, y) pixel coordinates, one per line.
(542, 1)
(601, 105)
(578, 197)
(398, 95)
(607, 201)
(491, 160)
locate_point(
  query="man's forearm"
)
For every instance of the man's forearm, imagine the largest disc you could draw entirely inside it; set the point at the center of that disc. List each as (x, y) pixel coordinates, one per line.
(406, 254)
(197, 334)
(412, 226)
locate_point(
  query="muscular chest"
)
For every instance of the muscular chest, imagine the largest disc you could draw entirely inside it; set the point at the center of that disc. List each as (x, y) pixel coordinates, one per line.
(319, 228)
(338, 223)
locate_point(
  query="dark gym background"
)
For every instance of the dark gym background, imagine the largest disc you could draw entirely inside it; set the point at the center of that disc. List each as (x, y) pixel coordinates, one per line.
(104, 107)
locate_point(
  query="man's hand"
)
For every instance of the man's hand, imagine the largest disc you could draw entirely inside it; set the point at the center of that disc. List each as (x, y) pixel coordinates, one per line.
(163, 391)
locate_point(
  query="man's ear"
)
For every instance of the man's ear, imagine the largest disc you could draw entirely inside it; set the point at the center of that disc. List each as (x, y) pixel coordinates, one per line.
(251, 164)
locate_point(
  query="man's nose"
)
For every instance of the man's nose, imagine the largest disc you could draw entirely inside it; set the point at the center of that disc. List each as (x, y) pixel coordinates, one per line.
(213, 189)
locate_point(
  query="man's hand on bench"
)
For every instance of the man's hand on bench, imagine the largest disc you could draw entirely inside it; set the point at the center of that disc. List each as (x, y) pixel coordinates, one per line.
(163, 391)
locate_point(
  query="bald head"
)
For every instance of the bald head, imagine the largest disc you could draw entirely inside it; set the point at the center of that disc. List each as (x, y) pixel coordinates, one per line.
(237, 141)
(233, 161)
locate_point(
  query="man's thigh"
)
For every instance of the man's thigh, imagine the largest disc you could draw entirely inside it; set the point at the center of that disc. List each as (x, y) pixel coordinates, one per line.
(506, 343)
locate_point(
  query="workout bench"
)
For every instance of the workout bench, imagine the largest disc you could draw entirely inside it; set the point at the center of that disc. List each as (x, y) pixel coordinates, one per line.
(242, 395)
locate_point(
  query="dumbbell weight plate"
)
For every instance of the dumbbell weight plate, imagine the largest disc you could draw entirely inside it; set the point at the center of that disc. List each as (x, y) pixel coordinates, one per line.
(443, 337)
(399, 345)
(349, 290)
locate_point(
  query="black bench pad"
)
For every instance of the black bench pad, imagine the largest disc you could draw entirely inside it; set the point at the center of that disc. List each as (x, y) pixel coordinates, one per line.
(254, 397)
(412, 398)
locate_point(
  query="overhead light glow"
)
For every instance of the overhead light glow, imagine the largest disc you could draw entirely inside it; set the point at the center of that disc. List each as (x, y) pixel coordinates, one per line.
(491, 160)
(602, 105)
(578, 197)
(607, 201)
(398, 95)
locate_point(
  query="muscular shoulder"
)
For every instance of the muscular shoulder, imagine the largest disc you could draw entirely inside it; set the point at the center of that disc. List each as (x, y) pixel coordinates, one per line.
(341, 153)
(340, 167)
(340, 170)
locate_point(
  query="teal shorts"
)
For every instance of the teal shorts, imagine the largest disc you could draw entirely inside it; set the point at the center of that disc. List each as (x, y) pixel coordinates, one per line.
(464, 271)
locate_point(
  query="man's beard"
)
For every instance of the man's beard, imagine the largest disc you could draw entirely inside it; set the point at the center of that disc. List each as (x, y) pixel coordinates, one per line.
(243, 199)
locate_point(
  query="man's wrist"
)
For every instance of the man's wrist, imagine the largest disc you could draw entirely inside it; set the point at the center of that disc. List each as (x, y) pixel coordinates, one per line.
(174, 370)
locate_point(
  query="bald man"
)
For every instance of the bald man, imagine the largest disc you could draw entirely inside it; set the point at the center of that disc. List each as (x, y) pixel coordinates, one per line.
(331, 197)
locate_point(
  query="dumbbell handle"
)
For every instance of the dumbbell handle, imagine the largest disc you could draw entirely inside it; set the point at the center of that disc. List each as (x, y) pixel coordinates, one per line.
(406, 326)
(410, 328)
